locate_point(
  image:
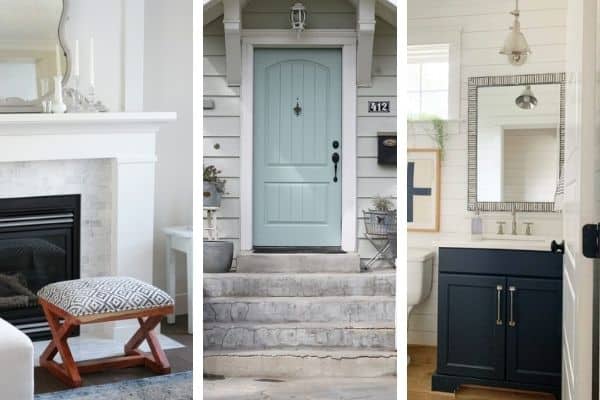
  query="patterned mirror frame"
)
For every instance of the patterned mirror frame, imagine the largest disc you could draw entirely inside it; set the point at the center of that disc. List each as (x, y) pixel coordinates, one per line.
(510, 80)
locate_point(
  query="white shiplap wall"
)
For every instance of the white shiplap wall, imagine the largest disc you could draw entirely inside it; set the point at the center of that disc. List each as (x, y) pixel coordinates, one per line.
(222, 124)
(484, 25)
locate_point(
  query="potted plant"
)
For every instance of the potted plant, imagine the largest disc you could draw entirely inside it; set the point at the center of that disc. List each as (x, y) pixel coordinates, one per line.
(214, 186)
(382, 215)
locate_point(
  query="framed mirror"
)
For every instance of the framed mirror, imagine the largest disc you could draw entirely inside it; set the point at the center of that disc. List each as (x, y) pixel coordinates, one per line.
(32, 46)
(516, 129)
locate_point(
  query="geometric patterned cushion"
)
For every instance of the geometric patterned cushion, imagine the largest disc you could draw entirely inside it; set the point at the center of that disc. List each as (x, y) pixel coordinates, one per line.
(92, 296)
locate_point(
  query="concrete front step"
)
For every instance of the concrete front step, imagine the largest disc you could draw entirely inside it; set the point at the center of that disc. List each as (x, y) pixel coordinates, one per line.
(297, 262)
(309, 362)
(300, 285)
(239, 336)
(299, 309)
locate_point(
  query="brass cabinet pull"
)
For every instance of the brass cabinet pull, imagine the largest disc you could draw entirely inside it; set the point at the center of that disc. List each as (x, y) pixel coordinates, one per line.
(512, 290)
(498, 302)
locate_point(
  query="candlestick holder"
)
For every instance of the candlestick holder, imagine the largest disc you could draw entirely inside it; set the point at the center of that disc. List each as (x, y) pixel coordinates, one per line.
(91, 100)
(75, 95)
(92, 104)
(58, 106)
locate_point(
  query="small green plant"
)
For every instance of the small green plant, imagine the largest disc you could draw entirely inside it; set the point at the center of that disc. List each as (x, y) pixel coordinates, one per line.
(383, 203)
(439, 134)
(211, 175)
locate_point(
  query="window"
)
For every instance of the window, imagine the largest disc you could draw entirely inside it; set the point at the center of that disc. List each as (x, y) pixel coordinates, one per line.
(428, 81)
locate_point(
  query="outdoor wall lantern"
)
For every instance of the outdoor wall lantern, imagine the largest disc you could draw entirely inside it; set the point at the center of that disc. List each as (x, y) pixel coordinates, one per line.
(515, 46)
(298, 17)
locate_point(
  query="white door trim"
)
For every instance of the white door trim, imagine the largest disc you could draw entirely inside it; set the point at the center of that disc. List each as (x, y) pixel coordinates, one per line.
(344, 39)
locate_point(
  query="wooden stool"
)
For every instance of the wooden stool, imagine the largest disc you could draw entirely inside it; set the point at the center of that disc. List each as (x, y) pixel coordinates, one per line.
(87, 301)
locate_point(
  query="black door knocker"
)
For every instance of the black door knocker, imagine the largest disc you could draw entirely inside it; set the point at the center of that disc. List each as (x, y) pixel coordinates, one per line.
(297, 109)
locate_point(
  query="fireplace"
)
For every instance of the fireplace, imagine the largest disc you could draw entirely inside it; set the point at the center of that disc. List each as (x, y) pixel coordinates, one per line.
(39, 244)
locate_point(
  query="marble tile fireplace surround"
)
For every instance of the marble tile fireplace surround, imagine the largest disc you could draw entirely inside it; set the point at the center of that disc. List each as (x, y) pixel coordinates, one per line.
(108, 159)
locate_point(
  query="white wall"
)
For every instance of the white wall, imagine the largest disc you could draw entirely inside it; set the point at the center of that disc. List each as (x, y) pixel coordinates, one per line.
(530, 164)
(143, 52)
(222, 124)
(482, 27)
(168, 87)
(104, 21)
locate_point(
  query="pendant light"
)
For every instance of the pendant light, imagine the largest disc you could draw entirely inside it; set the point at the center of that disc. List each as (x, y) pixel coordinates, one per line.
(526, 100)
(515, 46)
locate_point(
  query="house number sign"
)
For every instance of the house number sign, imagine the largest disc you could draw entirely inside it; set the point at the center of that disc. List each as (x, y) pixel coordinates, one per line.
(379, 106)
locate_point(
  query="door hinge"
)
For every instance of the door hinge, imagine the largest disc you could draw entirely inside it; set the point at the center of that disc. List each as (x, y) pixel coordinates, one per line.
(589, 240)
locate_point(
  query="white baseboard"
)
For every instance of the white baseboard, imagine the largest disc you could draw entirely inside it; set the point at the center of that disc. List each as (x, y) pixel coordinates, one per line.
(181, 304)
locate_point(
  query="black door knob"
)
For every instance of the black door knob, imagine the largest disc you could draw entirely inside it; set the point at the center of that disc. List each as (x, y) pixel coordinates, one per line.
(335, 144)
(557, 248)
(335, 157)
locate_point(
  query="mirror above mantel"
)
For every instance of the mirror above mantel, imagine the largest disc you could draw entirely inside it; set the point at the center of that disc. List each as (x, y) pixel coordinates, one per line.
(515, 142)
(31, 50)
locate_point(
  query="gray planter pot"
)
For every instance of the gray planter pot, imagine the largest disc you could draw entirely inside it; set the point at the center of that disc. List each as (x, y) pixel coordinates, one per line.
(212, 198)
(218, 255)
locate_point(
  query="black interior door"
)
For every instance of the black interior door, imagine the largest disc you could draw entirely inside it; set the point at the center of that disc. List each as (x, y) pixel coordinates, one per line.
(533, 347)
(471, 325)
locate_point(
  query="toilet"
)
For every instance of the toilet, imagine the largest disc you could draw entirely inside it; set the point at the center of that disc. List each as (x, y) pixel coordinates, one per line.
(419, 275)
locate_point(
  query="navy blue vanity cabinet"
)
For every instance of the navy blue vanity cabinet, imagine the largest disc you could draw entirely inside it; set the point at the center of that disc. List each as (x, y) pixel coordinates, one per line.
(499, 319)
(470, 321)
(533, 332)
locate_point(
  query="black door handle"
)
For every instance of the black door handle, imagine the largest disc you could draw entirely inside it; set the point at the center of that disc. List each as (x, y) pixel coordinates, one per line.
(335, 157)
(557, 248)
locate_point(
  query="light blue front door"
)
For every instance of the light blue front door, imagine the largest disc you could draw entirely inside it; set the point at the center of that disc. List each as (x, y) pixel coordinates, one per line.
(297, 129)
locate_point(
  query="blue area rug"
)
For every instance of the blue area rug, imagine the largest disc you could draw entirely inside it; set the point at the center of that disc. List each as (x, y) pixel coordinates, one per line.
(164, 387)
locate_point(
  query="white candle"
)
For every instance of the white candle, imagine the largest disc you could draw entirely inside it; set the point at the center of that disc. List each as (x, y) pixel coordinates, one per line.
(58, 69)
(76, 59)
(92, 74)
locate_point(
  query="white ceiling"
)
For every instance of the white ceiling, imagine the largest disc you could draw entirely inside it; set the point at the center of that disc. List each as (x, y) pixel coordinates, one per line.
(30, 20)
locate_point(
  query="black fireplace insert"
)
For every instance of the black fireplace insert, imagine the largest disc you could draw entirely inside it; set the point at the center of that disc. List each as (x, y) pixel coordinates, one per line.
(39, 244)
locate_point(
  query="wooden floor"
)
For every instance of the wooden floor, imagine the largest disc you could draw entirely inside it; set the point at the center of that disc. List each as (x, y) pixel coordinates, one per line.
(419, 382)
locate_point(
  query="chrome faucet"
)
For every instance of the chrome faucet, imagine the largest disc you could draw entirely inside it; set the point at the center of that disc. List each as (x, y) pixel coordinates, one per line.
(514, 220)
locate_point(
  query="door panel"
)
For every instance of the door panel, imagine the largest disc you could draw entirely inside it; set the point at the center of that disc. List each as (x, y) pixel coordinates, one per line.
(533, 341)
(579, 204)
(471, 337)
(297, 116)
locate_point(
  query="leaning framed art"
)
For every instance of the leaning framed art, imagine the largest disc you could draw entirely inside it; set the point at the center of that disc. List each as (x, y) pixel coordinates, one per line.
(423, 190)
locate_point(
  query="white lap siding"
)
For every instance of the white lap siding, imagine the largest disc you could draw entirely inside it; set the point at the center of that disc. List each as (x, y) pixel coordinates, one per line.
(222, 126)
(375, 179)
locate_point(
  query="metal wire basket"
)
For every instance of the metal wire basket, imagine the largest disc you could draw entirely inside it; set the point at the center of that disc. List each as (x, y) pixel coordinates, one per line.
(380, 223)
(393, 240)
(380, 231)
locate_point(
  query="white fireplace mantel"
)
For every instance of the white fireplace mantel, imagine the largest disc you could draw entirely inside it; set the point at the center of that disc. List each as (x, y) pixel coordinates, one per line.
(128, 141)
(33, 137)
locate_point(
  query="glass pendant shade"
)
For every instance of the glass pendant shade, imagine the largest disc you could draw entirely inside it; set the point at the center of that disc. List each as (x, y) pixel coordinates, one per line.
(526, 101)
(515, 46)
(298, 17)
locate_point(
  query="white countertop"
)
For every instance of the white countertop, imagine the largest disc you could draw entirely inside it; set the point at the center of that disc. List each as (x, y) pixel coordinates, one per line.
(531, 243)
